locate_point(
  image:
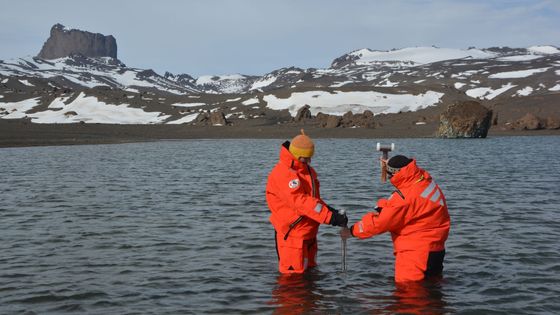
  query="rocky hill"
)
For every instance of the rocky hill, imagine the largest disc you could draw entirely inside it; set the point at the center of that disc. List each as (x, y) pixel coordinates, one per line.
(64, 42)
(77, 78)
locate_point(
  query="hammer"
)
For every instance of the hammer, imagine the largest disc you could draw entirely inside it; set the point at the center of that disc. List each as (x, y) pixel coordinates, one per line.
(385, 149)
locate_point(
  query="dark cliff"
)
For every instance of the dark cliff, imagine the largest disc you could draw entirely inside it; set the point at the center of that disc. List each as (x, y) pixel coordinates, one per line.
(63, 42)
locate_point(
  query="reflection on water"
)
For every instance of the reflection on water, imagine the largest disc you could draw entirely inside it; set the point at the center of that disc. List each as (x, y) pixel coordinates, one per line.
(304, 294)
(297, 293)
(424, 297)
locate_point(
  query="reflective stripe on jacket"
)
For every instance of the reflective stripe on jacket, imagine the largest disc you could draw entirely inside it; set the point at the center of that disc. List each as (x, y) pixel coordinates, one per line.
(419, 221)
(292, 191)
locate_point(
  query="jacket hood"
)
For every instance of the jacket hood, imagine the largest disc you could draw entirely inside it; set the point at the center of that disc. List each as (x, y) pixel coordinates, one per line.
(287, 158)
(409, 175)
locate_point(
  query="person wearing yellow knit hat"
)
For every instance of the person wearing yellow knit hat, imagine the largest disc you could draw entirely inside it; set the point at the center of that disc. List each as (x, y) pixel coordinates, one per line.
(302, 147)
(297, 210)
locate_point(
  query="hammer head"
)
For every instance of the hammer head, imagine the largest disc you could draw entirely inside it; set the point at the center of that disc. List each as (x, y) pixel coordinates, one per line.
(385, 147)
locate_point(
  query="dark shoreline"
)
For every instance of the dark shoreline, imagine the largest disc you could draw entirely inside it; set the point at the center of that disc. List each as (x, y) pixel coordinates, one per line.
(17, 133)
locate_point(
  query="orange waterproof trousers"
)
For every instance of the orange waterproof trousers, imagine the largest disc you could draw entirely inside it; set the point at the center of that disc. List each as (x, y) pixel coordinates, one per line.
(295, 255)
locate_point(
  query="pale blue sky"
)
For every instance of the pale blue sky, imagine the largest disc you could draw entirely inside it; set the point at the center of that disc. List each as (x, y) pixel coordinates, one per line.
(259, 36)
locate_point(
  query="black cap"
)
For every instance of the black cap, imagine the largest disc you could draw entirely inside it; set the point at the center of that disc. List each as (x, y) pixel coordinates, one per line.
(396, 163)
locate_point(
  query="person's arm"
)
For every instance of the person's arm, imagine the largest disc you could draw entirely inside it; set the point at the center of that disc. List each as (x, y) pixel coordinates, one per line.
(388, 217)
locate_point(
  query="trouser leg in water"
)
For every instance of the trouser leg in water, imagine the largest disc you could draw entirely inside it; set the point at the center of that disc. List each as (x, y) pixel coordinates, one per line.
(295, 255)
(414, 265)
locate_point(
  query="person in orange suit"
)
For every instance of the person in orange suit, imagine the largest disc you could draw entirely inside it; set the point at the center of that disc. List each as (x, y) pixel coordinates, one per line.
(297, 210)
(416, 216)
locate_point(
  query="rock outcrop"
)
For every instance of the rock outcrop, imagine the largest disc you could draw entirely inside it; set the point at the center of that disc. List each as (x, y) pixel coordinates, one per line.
(216, 118)
(532, 122)
(553, 123)
(328, 121)
(529, 122)
(63, 42)
(303, 114)
(465, 120)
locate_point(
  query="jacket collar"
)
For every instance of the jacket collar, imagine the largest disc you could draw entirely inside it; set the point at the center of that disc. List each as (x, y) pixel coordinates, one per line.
(289, 159)
(409, 175)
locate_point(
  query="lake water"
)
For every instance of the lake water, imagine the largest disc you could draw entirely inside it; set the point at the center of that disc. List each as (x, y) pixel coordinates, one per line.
(181, 227)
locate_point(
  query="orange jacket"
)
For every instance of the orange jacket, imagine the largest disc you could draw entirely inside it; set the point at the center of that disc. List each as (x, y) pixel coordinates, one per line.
(292, 191)
(416, 214)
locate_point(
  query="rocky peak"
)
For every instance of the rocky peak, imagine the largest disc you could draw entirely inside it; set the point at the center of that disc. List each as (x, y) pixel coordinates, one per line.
(64, 42)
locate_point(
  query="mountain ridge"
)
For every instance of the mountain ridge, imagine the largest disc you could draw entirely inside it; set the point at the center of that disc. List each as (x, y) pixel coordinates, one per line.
(384, 82)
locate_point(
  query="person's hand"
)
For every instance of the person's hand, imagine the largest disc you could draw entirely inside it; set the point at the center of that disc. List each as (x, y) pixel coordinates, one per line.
(345, 233)
(338, 219)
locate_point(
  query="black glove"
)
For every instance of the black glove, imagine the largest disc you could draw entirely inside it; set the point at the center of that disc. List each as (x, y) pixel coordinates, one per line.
(332, 209)
(339, 219)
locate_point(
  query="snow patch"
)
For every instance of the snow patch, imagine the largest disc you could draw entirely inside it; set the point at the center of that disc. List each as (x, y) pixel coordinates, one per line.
(263, 82)
(516, 74)
(184, 120)
(338, 103)
(418, 55)
(339, 84)
(17, 110)
(233, 100)
(25, 82)
(250, 101)
(388, 83)
(519, 58)
(555, 88)
(58, 103)
(546, 50)
(525, 91)
(4, 81)
(188, 104)
(90, 109)
(459, 85)
(488, 93)
(210, 79)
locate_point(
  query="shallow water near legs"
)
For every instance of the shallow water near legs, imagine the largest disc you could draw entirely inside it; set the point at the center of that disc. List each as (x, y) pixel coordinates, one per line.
(181, 227)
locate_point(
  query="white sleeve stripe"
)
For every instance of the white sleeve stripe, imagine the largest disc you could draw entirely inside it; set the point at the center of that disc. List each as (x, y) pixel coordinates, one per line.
(435, 196)
(428, 190)
(318, 208)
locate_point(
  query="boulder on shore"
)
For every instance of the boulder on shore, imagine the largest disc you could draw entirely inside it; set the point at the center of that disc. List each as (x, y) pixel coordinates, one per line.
(467, 119)
(303, 114)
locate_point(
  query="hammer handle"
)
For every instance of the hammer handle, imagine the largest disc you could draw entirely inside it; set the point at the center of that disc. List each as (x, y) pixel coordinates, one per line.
(384, 167)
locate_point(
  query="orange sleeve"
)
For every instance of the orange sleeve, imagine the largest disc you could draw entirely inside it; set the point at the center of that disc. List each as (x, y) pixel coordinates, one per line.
(391, 218)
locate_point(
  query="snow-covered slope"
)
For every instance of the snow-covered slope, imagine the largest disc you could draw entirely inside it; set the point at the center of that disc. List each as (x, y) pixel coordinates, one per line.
(406, 79)
(416, 55)
(90, 72)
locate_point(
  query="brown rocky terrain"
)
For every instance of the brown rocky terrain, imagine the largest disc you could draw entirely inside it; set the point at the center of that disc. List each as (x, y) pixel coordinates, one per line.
(89, 96)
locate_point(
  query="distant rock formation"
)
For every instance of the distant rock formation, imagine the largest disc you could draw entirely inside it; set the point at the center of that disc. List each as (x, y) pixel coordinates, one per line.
(328, 121)
(216, 118)
(529, 122)
(303, 114)
(465, 120)
(533, 122)
(348, 120)
(64, 42)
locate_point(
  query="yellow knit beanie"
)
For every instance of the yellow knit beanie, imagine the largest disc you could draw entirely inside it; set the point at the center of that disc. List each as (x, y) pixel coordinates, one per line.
(302, 146)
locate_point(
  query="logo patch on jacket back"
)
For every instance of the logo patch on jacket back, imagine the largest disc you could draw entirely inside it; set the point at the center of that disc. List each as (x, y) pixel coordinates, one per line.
(294, 183)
